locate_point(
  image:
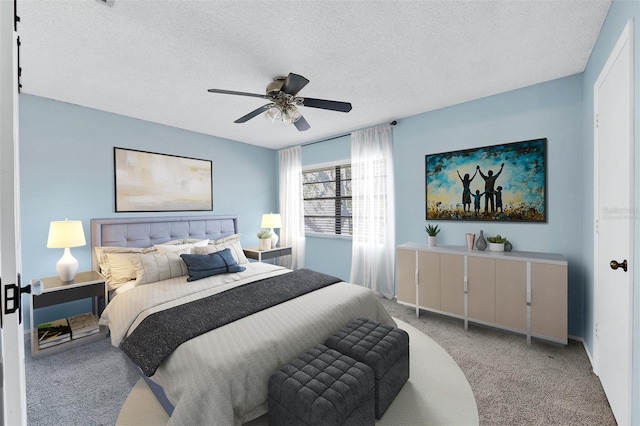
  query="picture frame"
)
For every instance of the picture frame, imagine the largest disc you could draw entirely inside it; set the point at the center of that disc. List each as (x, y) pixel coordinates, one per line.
(505, 182)
(153, 182)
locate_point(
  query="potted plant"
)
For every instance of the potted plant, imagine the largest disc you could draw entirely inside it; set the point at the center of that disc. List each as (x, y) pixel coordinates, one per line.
(432, 231)
(496, 243)
(264, 239)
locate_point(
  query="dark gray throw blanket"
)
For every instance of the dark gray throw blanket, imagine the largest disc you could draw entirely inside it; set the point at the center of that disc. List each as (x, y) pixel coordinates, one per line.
(158, 335)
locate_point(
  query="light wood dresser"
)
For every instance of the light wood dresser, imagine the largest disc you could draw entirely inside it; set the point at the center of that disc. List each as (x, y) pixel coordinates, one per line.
(524, 292)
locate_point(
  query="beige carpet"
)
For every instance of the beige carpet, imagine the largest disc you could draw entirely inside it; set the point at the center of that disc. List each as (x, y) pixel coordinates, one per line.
(437, 392)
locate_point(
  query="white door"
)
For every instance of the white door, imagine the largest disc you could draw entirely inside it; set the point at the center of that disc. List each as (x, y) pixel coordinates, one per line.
(14, 411)
(614, 205)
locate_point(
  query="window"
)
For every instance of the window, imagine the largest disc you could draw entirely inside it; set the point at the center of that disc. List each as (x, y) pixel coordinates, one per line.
(327, 200)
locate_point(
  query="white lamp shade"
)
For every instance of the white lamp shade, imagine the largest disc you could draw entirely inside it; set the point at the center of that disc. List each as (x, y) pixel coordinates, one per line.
(271, 221)
(65, 234)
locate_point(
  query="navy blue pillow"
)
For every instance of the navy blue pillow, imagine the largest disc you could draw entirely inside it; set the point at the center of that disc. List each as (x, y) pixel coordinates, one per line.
(205, 265)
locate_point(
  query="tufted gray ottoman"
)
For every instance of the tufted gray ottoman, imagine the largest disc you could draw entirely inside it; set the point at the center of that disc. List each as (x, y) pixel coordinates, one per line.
(385, 349)
(322, 387)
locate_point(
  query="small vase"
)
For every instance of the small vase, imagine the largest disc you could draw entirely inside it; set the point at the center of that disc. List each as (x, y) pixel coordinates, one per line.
(481, 244)
(470, 240)
(264, 244)
(433, 240)
(507, 246)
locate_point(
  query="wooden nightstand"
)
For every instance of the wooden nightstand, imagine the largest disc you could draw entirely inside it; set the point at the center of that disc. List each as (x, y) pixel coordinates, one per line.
(254, 253)
(85, 285)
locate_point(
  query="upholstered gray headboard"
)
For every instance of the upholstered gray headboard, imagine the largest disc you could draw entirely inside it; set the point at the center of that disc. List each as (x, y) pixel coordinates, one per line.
(147, 231)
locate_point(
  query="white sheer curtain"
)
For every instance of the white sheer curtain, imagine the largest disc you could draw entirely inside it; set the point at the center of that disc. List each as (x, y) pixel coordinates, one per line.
(291, 207)
(373, 252)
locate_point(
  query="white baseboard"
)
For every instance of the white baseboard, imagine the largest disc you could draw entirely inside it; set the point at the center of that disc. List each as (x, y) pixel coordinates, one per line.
(586, 349)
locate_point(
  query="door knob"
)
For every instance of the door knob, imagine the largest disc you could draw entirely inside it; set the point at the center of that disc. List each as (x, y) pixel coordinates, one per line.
(615, 265)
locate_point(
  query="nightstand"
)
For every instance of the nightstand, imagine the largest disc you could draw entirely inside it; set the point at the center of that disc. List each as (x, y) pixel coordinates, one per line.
(85, 285)
(254, 253)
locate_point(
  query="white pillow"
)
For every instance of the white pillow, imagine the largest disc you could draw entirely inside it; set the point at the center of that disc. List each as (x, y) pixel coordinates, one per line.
(168, 248)
(231, 242)
(105, 265)
(121, 269)
(180, 241)
(171, 246)
(101, 255)
(196, 242)
(154, 267)
(205, 250)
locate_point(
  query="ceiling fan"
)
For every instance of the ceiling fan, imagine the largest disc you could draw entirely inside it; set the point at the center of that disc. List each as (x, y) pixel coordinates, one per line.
(283, 102)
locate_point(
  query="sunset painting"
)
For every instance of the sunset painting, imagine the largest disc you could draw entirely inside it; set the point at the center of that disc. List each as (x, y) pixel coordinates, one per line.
(495, 183)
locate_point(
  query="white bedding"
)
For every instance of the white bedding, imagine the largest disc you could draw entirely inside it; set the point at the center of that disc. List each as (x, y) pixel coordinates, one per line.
(221, 377)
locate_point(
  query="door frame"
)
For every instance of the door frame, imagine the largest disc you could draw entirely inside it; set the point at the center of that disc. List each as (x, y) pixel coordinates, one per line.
(625, 38)
(14, 407)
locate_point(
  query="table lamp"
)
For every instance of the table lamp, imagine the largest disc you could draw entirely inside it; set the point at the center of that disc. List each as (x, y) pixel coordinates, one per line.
(270, 220)
(66, 234)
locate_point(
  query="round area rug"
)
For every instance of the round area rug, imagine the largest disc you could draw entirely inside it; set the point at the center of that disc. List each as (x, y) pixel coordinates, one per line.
(437, 392)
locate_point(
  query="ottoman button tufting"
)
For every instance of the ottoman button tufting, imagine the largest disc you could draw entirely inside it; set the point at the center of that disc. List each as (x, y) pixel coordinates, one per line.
(383, 348)
(322, 387)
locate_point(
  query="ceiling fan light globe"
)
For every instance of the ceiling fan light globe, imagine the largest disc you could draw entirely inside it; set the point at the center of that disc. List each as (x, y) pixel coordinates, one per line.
(274, 113)
(291, 114)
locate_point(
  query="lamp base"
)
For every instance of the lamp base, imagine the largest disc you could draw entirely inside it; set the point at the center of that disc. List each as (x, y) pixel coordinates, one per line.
(274, 239)
(67, 266)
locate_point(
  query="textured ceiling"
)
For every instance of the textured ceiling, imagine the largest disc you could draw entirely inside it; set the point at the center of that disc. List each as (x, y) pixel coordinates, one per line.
(155, 60)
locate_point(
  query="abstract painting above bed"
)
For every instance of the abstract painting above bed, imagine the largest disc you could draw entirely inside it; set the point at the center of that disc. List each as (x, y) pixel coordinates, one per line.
(154, 182)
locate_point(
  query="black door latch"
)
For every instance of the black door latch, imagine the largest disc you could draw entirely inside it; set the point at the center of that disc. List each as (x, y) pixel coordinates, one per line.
(13, 298)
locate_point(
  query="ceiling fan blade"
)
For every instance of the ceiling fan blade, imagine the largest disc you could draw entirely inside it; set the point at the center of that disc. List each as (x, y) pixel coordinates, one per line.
(302, 124)
(231, 92)
(294, 83)
(325, 104)
(252, 114)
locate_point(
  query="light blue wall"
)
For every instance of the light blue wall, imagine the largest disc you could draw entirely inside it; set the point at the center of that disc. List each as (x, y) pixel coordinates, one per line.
(550, 110)
(619, 14)
(66, 171)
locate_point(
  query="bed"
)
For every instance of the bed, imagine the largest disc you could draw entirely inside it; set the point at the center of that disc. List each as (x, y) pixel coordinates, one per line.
(220, 376)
